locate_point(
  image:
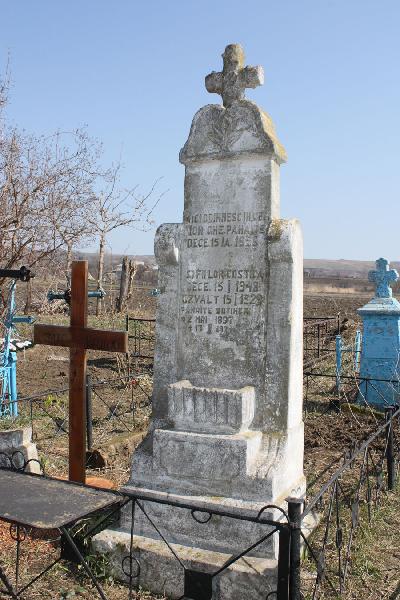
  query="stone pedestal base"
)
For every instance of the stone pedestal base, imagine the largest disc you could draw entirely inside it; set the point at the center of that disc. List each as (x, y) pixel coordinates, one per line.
(161, 573)
(380, 353)
(178, 476)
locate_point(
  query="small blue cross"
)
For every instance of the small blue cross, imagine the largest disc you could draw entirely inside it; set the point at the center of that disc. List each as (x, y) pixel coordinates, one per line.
(382, 278)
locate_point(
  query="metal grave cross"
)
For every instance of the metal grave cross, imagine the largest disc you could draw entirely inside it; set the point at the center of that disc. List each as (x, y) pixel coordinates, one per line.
(382, 278)
(234, 78)
(79, 338)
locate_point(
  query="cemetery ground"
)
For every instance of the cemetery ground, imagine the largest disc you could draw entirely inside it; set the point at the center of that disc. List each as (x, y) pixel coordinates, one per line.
(121, 410)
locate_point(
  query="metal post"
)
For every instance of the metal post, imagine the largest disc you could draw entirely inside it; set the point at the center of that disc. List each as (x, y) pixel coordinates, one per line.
(282, 592)
(390, 459)
(295, 508)
(13, 384)
(127, 356)
(89, 421)
(338, 362)
(84, 564)
(357, 351)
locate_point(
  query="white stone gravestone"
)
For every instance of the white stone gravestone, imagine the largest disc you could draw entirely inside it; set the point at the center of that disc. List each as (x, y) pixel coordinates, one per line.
(227, 428)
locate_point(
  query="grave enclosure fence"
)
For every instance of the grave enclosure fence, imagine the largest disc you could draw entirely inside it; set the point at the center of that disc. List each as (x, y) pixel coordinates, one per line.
(345, 502)
(196, 585)
(319, 566)
(115, 409)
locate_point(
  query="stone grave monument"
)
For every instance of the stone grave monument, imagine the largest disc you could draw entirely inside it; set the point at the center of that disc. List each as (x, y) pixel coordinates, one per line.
(380, 353)
(227, 429)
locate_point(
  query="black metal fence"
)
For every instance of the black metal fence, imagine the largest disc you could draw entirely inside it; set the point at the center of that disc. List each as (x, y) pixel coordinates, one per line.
(337, 391)
(195, 584)
(113, 408)
(318, 335)
(344, 502)
(141, 340)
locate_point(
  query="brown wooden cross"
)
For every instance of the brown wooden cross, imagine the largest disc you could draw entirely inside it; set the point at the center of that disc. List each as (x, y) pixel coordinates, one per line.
(79, 338)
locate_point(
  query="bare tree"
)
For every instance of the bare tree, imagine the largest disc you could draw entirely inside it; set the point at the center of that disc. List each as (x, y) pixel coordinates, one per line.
(54, 196)
(115, 208)
(45, 185)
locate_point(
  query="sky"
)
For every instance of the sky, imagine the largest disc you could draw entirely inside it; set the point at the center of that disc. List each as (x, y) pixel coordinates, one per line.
(133, 73)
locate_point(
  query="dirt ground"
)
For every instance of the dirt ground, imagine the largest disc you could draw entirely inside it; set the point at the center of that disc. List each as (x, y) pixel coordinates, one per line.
(121, 411)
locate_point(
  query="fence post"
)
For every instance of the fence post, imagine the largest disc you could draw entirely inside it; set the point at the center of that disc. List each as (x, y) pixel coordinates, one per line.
(295, 506)
(357, 351)
(338, 362)
(282, 592)
(390, 459)
(89, 423)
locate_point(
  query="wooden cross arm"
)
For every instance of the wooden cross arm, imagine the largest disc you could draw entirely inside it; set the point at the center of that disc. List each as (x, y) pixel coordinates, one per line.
(81, 337)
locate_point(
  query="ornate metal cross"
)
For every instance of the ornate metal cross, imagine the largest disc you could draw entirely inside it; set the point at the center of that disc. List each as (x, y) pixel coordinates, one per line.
(79, 338)
(234, 78)
(382, 278)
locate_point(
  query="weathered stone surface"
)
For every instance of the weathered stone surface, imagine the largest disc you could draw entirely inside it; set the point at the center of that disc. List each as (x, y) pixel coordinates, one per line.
(227, 427)
(210, 410)
(235, 78)
(196, 455)
(17, 444)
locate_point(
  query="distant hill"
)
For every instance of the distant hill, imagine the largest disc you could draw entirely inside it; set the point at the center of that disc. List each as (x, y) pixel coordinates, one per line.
(355, 269)
(313, 267)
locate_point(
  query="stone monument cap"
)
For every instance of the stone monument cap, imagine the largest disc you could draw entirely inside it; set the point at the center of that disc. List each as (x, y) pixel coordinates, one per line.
(234, 78)
(238, 127)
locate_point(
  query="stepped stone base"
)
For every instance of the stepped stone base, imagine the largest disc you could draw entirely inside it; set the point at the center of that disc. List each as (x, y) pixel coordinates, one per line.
(187, 527)
(161, 573)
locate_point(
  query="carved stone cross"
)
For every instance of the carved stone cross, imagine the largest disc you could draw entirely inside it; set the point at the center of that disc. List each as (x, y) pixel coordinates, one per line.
(382, 278)
(234, 78)
(79, 338)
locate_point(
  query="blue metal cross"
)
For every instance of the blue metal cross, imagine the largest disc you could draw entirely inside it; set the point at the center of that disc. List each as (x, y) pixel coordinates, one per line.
(382, 278)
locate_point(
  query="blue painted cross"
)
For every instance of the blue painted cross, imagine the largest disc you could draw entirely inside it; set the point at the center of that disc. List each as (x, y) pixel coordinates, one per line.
(382, 278)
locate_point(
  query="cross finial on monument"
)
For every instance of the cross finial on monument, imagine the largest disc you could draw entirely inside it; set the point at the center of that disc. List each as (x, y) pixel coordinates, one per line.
(234, 78)
(382, 278)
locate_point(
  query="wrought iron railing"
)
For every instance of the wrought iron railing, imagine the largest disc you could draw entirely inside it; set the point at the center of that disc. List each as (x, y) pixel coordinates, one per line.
(344, 501)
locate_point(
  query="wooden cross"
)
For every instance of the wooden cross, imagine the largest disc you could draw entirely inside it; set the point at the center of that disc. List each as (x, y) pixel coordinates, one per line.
(79, 338)
(234, 78)
(383, 277)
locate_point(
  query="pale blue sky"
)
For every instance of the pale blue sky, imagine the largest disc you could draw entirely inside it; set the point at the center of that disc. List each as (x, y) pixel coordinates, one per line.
(133, 72)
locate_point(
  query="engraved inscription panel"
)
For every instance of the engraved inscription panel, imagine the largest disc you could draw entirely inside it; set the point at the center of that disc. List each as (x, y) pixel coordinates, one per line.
(226, 281)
